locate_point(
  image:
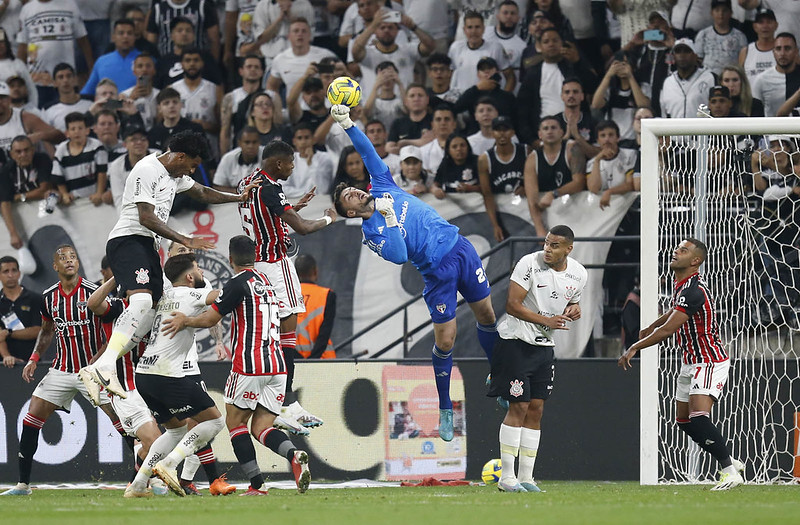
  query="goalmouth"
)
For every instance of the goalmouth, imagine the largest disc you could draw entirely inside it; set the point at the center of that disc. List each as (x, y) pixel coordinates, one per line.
(694, 182)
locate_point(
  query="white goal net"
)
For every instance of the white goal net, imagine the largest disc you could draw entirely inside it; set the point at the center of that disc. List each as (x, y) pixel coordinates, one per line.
(729, 183)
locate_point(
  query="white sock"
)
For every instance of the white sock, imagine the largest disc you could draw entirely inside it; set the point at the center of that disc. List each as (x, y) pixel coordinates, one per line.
(195, 439)
(160, 448)
(730, 469)
(509, 449)
(190, 466)
(132, 325)
(528, 448)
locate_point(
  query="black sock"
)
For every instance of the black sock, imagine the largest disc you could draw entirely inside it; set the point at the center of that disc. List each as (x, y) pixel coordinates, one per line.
(209, 462)
(28, 443)
(130, 441)
(708, 437)
(246, 454)
(278, 442)
(289, 396)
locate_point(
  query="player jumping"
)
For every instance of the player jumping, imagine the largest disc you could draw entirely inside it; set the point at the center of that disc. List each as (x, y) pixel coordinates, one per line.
(407, 229)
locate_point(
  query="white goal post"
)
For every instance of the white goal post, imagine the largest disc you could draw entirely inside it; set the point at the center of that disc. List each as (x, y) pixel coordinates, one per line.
(699, 131)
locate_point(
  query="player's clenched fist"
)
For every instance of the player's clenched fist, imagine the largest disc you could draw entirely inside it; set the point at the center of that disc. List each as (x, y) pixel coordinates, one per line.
(341, 114)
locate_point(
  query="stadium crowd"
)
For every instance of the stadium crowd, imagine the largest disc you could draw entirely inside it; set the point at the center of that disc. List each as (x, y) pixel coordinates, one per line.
(539, 98)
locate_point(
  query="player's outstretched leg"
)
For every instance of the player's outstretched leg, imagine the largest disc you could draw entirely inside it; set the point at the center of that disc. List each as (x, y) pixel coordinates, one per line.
(195, 439)
(442, 367)
(162, 446)
(134, 323)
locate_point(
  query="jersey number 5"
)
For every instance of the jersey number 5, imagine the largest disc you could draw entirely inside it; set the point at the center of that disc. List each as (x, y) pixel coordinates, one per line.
(247, 222)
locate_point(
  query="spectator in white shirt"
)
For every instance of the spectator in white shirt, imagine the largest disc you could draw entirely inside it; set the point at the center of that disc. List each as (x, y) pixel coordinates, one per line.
(443, 125)
(271, 23)
(611, 171)
(387, 48)
(504, 33)
(289, 65)
(466, 53)
(313, 170)
(686, 88)
(239, 162)
(377, 135)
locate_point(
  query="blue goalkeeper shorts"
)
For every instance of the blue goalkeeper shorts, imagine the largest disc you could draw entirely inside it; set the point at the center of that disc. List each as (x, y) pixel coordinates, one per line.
(460, 271)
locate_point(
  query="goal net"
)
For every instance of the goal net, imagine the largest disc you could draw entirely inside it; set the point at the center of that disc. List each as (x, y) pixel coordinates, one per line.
(728, 182)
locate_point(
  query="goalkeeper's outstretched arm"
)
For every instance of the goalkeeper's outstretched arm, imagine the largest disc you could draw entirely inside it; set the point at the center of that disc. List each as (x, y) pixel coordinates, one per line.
(375, 165)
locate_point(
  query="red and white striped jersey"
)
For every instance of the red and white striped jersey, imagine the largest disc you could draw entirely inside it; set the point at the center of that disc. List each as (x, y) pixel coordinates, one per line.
(79, 333)
(699, 336)
(255, 328)
(261, 216)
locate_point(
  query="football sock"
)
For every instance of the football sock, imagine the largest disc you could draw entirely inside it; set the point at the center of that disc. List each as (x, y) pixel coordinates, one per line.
(128, 439)
(288, 344)
(487, 336)
(246, 455)
(509, 449)
(278, 442)
(190, 466)
(705, 434)
(160, 448)
(209, 462)
(28, 443)
(196, 438)
(528, 449)
(135, 321)
(442, 366)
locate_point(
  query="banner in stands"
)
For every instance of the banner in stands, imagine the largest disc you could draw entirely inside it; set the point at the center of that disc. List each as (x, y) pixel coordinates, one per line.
(362, 435)
(361, 280)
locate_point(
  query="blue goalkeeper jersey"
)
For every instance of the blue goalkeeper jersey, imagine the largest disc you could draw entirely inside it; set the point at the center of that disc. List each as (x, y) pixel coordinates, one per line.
(422, 237)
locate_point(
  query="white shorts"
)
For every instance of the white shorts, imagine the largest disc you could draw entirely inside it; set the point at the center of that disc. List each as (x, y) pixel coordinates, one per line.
(132, 412)
(60, 388)
(247, 392)
(285, 284)
(702, 379)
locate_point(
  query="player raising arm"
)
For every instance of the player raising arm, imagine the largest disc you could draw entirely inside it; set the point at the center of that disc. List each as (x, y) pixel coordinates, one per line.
(407, 229)
(133, 243)
(705, 361)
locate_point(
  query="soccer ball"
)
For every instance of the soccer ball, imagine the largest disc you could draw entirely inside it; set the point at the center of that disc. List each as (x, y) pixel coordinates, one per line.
(491, 471)
(344, 90)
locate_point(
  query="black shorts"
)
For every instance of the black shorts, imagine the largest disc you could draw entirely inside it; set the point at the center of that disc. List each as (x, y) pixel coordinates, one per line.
(521, 372)
(168, 397)
(136, 264)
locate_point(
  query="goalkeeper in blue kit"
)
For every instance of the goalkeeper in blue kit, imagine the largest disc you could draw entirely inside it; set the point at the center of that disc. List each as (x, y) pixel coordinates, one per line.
(407, 229)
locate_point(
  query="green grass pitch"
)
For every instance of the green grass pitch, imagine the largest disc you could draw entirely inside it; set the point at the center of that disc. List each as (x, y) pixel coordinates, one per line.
(564, 503)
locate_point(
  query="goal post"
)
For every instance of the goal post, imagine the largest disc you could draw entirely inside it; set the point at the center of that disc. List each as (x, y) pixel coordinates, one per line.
(706, 211)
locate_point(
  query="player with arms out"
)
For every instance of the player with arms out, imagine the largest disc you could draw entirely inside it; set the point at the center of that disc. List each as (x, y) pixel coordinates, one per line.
(133, 243)
(543, 295)
(79, 336)
(161, 380)
(265, 216)
(406, 229)
(255, 388)
(705, 360)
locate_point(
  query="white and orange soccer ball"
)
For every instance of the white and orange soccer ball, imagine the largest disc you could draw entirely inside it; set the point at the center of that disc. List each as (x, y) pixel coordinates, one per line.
(344, 90)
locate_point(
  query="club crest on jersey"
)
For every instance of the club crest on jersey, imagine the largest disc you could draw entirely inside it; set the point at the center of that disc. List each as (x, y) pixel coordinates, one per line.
(569, 292)
(441, 308)
(81, 305)
(516, 388)
(142, 276)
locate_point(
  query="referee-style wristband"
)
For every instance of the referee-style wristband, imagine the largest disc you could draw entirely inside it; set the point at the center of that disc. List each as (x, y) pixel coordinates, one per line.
(34, 357)
(327, 219)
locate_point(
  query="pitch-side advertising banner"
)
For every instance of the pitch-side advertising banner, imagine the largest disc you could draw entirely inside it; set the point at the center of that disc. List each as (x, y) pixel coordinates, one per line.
(367, 287)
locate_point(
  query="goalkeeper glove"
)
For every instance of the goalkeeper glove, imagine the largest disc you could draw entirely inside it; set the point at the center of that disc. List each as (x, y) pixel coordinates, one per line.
(341, 114)
(384, 206)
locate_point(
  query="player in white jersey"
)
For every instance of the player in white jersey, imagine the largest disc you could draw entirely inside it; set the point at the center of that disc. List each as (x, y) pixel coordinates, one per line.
(543, 296)
(162, 382)
(218, 485)
(133, 243)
